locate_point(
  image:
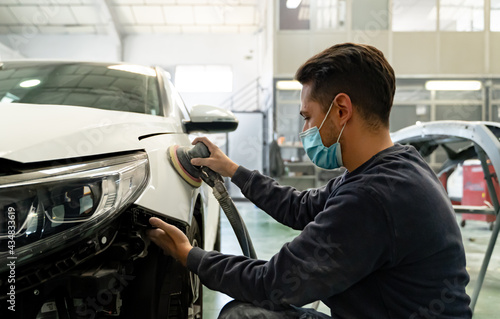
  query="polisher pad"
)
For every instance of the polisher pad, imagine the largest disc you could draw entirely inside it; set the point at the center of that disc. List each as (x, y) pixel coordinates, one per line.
(182, 162)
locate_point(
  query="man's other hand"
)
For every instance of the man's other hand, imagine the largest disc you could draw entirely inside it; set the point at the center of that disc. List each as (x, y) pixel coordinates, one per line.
(171, 239)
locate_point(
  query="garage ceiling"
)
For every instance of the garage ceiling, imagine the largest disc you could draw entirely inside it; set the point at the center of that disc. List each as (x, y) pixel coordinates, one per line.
(125, 17)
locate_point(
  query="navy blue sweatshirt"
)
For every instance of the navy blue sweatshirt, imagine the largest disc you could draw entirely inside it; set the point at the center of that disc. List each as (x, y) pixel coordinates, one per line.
(379, 242)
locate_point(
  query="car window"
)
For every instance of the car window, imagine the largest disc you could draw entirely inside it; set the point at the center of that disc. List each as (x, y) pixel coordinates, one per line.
(118, 87)
(175, 102)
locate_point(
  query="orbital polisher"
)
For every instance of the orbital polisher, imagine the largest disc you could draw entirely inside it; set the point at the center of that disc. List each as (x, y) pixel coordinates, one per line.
(180, 158)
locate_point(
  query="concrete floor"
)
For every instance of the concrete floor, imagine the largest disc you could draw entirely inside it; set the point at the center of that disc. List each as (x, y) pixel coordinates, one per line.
(268, 236)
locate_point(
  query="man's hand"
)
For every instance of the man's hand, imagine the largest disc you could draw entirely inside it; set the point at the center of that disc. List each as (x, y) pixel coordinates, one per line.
(171, 239)
(218, 161)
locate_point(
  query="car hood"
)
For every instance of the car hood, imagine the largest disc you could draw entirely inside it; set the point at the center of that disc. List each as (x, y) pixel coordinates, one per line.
(34, 133)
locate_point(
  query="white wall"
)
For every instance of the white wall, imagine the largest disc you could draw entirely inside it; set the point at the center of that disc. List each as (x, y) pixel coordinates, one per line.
(239, 51)
(410, 53)
(67, 47)
(266, 57)
(435, 53)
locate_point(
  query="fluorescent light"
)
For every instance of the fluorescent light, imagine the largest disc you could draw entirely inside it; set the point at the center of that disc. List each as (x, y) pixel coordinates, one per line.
(30, 83)
(139, 69)
(288, 85)
(453, 85)
(293, 4)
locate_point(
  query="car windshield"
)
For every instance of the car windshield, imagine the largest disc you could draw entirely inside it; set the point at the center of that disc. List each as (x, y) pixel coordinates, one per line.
(120, 87)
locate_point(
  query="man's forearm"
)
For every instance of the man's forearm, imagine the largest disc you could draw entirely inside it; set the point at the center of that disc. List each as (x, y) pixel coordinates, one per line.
(283, 203)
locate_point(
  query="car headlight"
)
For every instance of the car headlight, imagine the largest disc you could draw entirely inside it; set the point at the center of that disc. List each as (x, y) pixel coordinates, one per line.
(43, 209)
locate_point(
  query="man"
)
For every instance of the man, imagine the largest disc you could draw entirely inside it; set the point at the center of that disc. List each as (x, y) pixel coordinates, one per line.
(380, 241)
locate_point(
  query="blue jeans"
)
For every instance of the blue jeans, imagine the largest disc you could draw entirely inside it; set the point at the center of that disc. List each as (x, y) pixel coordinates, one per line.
(242, 310)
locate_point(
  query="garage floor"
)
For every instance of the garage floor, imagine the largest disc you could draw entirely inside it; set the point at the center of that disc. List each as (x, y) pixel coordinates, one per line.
(262, 228)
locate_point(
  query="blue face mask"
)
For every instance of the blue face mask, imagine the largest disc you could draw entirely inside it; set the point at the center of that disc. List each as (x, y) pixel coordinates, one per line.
(320, 155)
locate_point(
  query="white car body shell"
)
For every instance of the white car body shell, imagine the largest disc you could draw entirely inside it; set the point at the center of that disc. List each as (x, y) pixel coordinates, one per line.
(42, 133)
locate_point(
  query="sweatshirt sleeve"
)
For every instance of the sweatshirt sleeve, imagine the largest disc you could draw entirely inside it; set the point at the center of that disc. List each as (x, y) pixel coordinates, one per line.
(325, 259)
(285, 204)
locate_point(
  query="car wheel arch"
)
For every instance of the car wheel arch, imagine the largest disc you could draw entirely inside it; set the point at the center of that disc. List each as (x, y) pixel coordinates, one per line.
(199, 214)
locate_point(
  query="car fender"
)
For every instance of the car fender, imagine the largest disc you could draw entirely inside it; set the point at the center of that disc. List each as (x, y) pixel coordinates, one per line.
(169, 195)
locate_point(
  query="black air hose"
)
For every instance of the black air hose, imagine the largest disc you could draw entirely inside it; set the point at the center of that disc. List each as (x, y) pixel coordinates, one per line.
(180, 158)
(239, 227)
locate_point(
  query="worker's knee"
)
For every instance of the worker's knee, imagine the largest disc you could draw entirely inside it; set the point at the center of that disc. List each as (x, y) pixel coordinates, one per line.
(237, 309)
(242, 310)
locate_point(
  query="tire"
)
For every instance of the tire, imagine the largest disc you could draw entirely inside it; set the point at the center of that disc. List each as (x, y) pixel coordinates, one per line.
(194, 303)
(163, 288)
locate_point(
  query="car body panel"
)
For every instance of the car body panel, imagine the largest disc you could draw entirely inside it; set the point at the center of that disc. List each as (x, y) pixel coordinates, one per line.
(166, 193)
(444, 131)
(212, 213)
(51, 132)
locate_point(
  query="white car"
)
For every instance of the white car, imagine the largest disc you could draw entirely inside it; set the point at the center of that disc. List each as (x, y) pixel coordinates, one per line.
(83, 165)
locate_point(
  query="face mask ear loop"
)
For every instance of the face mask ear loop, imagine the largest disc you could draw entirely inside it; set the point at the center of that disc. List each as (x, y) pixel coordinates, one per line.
(342, 130)
(326, 116)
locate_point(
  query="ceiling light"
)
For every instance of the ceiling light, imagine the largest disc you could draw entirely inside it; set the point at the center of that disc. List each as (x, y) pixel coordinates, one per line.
(288, 85)
(293, 4)
(453, 85)
(30, 83)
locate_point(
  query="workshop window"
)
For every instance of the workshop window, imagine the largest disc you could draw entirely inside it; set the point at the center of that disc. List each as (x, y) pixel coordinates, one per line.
(462, 96)
(204, 78)
(294, 15)
(495, 101)
(411, 15)
(466, 112)
(403, 115)
(411, 93)
(461, 15)
(495, 112)
(288, 121)
(370, 15)
(495, 92)
(495, 15)
(330, 14)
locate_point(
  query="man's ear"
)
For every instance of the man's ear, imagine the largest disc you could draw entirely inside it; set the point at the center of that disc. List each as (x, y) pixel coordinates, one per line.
(344, 107)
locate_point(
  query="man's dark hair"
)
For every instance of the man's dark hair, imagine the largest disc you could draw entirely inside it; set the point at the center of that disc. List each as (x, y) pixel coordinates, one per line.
(358, 70)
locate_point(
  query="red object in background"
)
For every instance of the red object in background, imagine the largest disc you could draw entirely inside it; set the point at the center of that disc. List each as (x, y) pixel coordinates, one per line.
(443, 178)
(475, 191)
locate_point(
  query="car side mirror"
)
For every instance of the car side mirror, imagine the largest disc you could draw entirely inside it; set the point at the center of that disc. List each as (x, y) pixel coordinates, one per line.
(210, 119)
